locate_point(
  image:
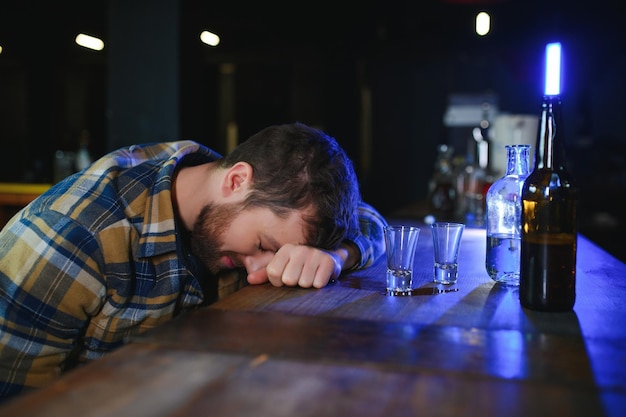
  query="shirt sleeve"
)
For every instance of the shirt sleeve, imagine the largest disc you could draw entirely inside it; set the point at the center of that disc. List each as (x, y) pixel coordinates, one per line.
(49, 286)
(371, 240)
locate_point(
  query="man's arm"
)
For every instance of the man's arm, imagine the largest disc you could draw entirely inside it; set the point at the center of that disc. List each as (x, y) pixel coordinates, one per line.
(44, 300)
(306, 266)
(369, 244)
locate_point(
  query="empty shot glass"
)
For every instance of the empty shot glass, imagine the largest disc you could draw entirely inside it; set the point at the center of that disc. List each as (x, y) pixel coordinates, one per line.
(446, 243)
(400, 242)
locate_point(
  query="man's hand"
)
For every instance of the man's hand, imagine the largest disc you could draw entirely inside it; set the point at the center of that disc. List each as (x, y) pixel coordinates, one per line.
(304, 266)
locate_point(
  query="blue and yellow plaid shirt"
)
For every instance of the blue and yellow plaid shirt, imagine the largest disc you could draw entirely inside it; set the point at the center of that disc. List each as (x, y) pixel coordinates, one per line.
(97, 259)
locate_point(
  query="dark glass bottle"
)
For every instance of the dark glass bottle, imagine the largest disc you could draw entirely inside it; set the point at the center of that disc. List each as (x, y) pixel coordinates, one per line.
(549, 225)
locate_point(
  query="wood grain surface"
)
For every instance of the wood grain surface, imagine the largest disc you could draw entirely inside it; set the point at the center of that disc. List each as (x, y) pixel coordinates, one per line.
(352, 349)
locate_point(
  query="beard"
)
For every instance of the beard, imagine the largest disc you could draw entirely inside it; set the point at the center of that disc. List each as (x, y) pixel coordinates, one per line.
(206, 235)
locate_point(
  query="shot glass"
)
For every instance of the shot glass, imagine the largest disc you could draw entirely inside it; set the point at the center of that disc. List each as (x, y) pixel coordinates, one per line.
(446, 243)
(400, 242)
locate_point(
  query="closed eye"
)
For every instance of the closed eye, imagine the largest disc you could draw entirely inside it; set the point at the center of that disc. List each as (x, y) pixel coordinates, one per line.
(271, 245)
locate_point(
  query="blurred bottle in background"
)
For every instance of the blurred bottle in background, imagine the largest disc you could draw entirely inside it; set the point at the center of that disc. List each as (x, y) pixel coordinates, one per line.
(441, 189)
(473, 181)
(83, 156)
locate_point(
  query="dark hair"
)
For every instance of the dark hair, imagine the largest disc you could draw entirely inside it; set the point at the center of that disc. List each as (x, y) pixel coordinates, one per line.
(299, 167)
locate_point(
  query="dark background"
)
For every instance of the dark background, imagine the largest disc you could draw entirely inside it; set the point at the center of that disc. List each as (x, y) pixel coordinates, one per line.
(377, 76)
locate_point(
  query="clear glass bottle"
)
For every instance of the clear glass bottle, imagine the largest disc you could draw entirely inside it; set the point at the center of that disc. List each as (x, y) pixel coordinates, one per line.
(549, 225)
(503, 218)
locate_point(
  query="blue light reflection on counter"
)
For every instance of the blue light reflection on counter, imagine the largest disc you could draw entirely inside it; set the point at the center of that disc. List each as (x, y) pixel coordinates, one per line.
(508, 349)
(505, 349)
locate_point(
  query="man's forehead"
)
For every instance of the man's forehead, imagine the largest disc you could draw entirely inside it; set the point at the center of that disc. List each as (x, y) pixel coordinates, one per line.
(286, 229)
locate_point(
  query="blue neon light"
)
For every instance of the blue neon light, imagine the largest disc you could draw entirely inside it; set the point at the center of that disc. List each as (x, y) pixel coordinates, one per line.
(553, 69)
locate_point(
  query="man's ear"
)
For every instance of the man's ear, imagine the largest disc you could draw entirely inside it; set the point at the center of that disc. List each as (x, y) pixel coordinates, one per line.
(237, 180)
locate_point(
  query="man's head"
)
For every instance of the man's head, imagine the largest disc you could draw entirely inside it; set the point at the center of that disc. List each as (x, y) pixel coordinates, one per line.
(297, 167)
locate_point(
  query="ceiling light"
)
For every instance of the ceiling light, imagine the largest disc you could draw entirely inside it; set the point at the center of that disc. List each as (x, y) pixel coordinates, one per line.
(90, 42)
(483, 21)
(209, 38)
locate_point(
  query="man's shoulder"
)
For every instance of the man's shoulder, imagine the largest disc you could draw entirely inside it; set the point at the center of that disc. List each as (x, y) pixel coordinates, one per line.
(132, 155)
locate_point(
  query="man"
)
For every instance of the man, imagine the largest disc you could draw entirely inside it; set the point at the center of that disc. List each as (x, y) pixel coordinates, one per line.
(150, 231)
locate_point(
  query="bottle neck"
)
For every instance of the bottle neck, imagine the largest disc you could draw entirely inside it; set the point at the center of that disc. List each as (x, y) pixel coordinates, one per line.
(550, 152)
(518, 160)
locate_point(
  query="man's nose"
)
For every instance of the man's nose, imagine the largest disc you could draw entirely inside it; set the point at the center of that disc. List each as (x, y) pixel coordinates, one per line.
(256, 262)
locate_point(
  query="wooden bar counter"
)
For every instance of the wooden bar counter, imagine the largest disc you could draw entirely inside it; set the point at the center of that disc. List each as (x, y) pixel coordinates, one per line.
(350, 349)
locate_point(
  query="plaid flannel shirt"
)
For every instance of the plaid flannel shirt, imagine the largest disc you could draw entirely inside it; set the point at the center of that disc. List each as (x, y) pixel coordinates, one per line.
(97, 259)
